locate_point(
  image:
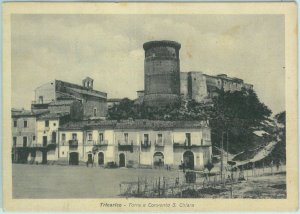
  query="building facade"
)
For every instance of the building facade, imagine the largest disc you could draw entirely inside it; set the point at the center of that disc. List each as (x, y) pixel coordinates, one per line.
(164, 84)
(140, 143)
(199, 87)
(23, 134)
(92, 102)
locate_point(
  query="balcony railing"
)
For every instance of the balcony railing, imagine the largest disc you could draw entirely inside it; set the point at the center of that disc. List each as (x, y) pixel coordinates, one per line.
(125, 146)
(90, 142)
(145, 144)
(73, 144)
(159, 144)
(185, 145)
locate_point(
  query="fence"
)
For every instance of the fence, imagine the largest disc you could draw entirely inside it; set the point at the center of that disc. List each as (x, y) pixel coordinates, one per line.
(163, 187)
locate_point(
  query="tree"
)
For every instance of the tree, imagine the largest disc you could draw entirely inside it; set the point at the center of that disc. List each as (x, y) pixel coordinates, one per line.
(237, 113)
(279, 152)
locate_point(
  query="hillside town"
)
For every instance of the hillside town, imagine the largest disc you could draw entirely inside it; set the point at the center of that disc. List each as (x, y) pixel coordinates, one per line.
(67, 122)
(190, 122)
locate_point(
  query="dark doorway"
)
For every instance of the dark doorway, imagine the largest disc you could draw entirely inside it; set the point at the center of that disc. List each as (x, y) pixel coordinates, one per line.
(100, 158)
(53, 137)
(44, 141)
(121, 160)
(158, 159)
(73, 158)
(44, 157)
(188, 160)
(22, 156)
(90, 158)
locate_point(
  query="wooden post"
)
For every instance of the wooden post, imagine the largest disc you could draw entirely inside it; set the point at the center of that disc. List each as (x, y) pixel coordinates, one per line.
(138, 190)
(164, 186)
(159, 186)
(231, 195)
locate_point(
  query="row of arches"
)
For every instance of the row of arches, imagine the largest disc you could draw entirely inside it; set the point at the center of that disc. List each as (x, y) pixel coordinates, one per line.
(158, 159)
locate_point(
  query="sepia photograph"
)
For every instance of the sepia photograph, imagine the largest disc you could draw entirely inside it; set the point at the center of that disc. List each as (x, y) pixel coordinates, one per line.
(158, 105)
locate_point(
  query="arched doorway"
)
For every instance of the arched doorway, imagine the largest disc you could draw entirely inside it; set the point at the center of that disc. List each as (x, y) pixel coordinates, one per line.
(188, 160)
(73, 158)
(158, 159)
(122, 160)
(100, 158)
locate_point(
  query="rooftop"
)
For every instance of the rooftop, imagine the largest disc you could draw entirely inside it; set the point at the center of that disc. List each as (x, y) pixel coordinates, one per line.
(151, 44)
(133, 124)
(25, 113)
(53, 115)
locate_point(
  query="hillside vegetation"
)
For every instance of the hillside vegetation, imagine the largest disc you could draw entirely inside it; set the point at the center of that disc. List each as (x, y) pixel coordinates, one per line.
(239, 117)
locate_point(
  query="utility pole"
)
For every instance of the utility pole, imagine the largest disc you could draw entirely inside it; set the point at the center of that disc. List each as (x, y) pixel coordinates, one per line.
(227, 146)
(222, 147)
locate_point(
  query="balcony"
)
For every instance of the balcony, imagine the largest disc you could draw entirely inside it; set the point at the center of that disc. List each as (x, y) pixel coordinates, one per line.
(90, 142)
(186, 145)
(125, 146)
(73, 144)
(145, 144)
(159, 144)
(100, 145)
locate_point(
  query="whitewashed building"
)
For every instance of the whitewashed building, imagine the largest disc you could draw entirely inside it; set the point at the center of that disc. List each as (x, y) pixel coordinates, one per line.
(139, 143)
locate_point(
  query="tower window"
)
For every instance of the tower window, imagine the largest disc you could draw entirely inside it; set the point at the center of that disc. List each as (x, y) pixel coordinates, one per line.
(15, 123)
(95, 112)
(25, 123)
(47, 123)
(14, 141)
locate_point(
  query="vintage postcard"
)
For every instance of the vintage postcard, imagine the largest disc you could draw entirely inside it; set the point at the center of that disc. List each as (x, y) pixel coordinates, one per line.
(150, 107)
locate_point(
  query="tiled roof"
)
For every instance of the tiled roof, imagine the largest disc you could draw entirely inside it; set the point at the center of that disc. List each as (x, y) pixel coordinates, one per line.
(114, 100)
(87, 92)
(132, 124)
(53, 115)
(158, 125)
(61, 102)
(26, 113)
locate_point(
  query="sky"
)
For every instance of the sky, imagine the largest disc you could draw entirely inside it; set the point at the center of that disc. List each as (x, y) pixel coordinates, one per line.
(109, 49)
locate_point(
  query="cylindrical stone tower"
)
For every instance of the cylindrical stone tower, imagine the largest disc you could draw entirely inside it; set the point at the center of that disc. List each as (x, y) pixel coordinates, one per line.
(161, 73)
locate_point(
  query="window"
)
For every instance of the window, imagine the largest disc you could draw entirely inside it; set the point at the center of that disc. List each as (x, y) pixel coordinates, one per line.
(63, 137)
(74, 136)
(15, 123)
(126, 137)
(33, 138)
(188, 139)
(90, 136)
(24, 141)
(146, 139)
(47, 123)
(63, 153)
(101, 137)
(25, 123)
(54, 124)
(159, 138)
(95, 112)
(14, 141)
(40, 99)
